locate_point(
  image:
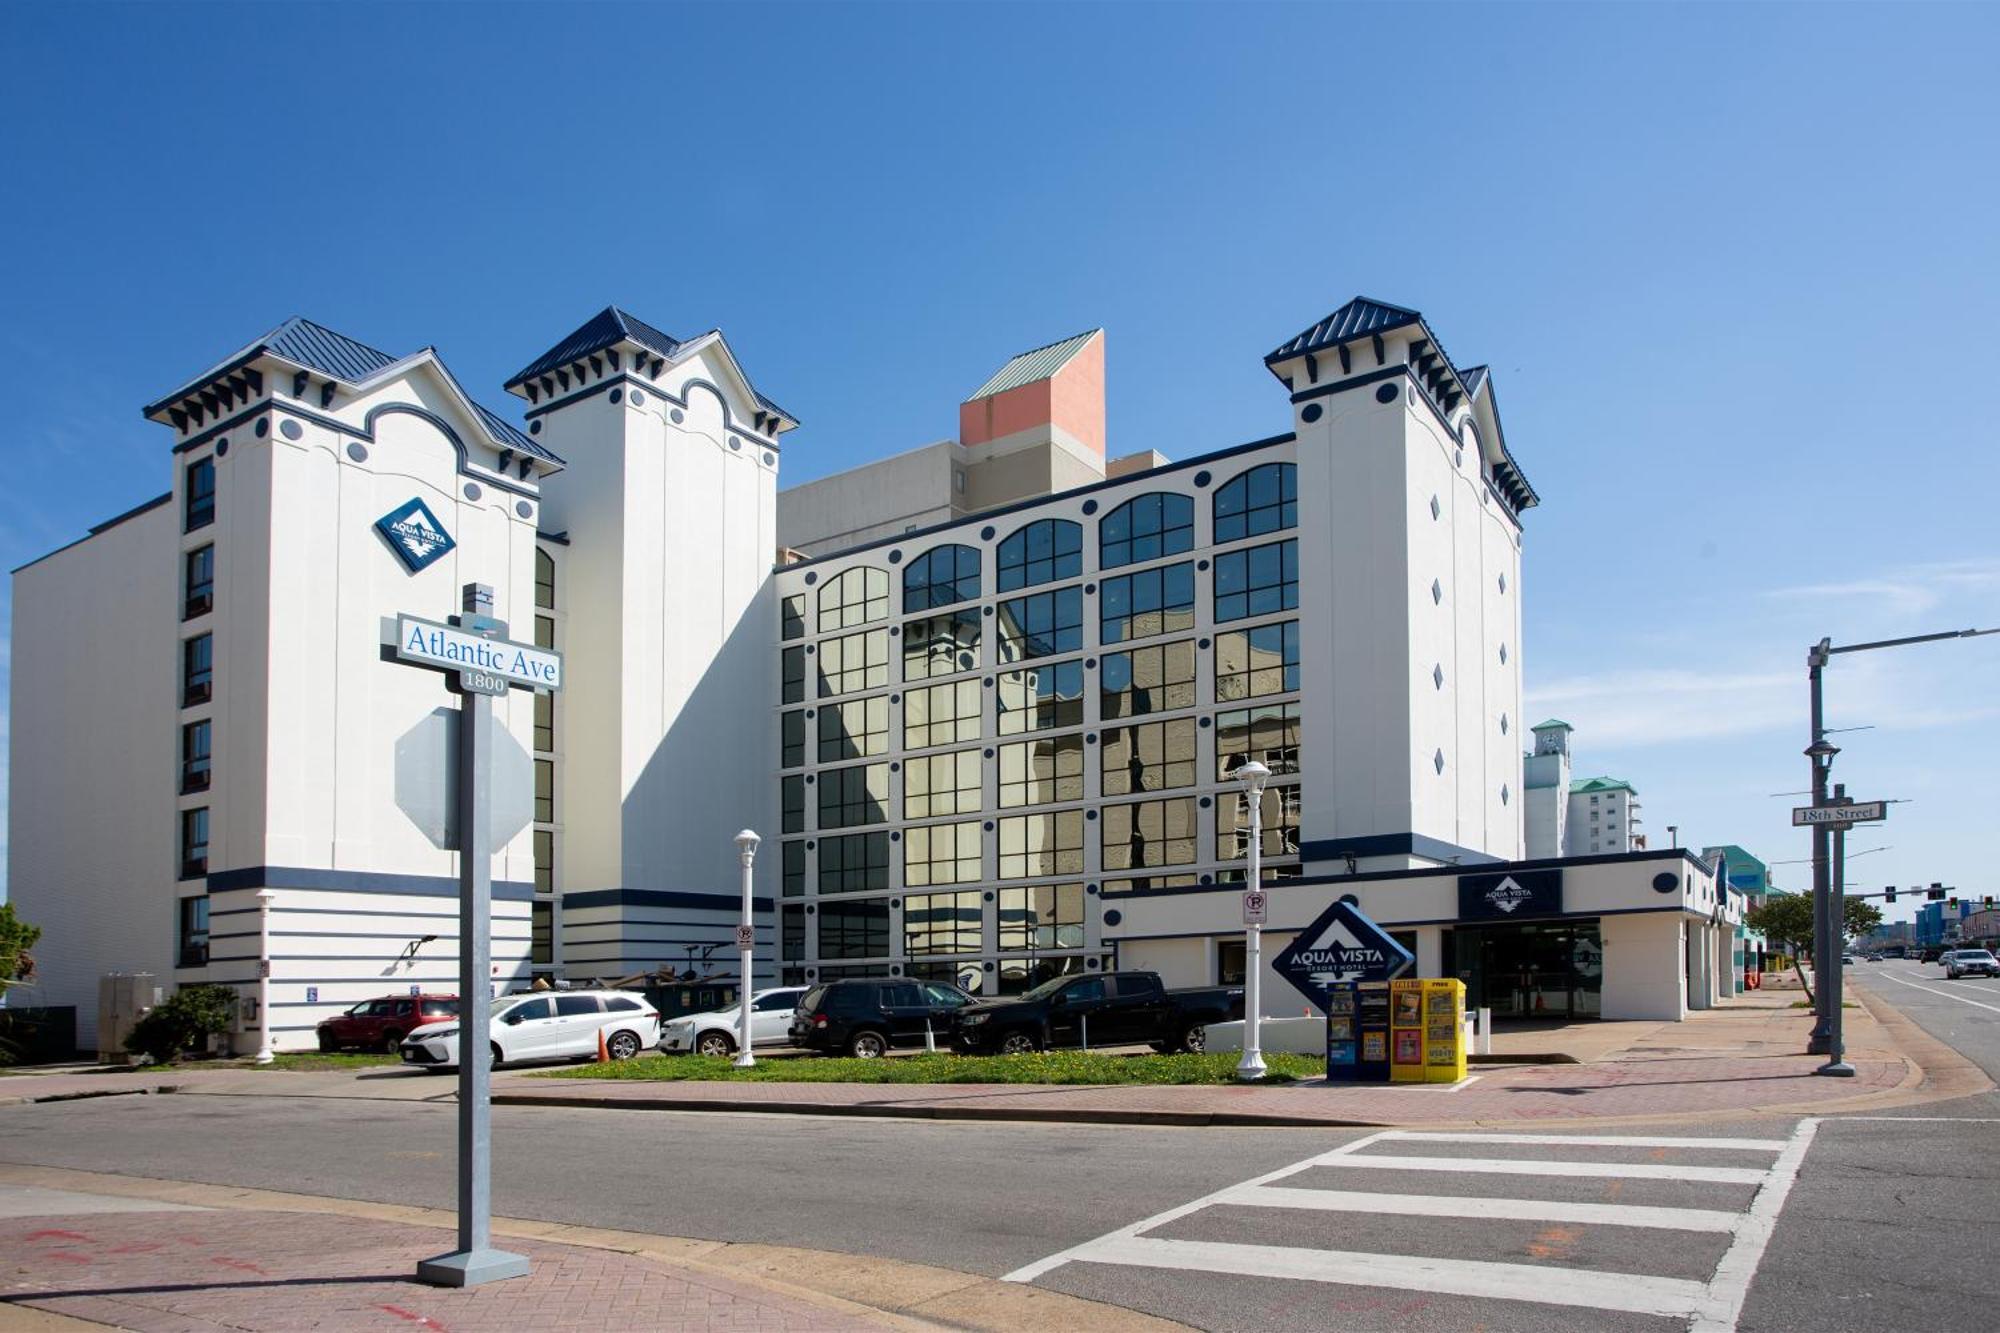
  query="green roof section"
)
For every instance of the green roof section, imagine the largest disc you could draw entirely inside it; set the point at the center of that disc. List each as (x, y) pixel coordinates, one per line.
(1601, 784)
(1034, 365)
(1552, 724)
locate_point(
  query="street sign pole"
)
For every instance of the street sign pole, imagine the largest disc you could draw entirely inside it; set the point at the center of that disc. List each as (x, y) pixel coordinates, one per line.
(1836, 1065)
(475, 1261)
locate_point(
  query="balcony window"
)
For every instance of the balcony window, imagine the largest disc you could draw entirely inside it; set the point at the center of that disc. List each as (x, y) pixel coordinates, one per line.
(194, 756)
(200, 499)
(197, 669)
(193, 951)
(198, 583)
(194, 842)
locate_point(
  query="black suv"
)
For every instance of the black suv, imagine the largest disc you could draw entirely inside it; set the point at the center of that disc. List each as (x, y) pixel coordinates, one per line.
(865, 1016)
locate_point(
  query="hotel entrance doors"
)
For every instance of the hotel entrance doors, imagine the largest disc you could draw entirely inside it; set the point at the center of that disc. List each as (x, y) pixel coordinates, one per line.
(1533, 970)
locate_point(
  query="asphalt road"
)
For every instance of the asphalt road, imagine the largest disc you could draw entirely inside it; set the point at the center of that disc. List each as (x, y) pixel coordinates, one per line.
(1859, 1224)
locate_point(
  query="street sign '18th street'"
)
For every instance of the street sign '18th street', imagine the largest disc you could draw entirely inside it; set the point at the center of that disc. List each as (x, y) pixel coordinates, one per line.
(1839, 816)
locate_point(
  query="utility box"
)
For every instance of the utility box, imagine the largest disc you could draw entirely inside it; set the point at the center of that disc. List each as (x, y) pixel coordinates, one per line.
(123, 998)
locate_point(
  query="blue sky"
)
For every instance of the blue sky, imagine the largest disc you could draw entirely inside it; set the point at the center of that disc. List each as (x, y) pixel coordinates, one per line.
(1735, 269)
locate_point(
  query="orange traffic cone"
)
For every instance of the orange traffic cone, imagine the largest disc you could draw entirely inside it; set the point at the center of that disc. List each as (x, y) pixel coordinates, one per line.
(603, 1053)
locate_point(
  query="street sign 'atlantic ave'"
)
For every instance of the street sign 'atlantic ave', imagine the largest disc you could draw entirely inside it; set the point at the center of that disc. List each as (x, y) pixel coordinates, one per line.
(1342, 946)
(1839, 816)
(487, 665)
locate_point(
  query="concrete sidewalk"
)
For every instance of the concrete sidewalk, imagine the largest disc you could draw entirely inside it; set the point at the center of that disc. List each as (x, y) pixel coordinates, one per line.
(80, 1249)
(1739, 1059)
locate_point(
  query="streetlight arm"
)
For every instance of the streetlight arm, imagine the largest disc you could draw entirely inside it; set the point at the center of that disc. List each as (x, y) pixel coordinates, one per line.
(1914, 638)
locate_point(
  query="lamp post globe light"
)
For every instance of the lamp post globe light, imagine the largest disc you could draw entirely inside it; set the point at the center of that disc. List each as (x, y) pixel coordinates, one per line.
(1250, 1068)
(746, 850)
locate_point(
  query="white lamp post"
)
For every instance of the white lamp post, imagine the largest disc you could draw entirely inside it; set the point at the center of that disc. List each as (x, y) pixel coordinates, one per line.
(264, 1052)
(746, 848)
(1250, 1068)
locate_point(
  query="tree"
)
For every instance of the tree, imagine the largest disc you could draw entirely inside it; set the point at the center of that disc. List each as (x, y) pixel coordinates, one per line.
(183, 1021)
(17, 965)
(1786, 919)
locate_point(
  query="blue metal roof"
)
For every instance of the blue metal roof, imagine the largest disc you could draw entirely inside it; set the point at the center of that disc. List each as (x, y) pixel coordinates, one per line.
(607, 328)
(1472, 379)
(300, 341)
(317, 347)
(1356, 319)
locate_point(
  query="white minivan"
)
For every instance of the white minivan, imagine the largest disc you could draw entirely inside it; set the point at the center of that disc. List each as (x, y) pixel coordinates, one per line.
(546, 1025)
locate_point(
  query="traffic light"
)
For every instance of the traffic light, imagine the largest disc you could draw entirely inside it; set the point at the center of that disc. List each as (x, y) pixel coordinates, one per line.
(1889, 894)
(1988, 902)
(1935, 893)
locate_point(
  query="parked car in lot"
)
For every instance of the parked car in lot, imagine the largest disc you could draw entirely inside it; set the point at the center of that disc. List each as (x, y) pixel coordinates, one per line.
(1972, 962)
(380, 1025)
(866, 1016)
(551, 1025)
(1109, 1009)
(714, 1033)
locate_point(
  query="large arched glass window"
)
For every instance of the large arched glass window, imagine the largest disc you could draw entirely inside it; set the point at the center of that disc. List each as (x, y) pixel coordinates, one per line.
(1040, 553)
(1146, 527)
(941, 576)
(1264, 499)
(854, 598)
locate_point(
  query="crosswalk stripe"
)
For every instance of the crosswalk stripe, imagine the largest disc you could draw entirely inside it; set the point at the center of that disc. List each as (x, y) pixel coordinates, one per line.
(1519, 1210)
(1637, 1293)
(1514, 1166)
(1722, 1306)
(1591, 1140)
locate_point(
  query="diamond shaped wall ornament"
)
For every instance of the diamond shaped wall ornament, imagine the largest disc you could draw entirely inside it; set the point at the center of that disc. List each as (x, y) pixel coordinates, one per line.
(1503, 584)
(1437, 676)
(1503, 654)
(1503, 724)
(1437, 592)
(415, 535)
(1504, 793)
(1437, 762)
(1436, 508)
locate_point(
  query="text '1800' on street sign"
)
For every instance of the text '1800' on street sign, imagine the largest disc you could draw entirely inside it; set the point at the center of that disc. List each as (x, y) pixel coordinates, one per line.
(1839, 816)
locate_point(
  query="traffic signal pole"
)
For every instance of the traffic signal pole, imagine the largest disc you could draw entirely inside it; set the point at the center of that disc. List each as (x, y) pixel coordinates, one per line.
(1829, 901)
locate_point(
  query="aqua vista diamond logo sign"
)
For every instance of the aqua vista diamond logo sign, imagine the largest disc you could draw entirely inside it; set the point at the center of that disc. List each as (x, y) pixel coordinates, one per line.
(415, 534)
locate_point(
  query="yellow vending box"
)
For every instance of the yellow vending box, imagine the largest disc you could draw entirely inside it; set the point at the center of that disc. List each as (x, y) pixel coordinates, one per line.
(1426, 1031)
(1444, 1030)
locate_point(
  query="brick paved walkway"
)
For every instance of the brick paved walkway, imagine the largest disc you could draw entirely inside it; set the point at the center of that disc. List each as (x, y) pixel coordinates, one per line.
(179, 1272)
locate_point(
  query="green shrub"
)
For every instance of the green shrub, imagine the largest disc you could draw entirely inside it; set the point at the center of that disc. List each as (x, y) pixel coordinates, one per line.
(185, 1020)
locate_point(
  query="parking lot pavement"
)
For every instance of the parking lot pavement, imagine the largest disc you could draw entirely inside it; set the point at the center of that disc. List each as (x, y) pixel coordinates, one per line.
(1460, 1230)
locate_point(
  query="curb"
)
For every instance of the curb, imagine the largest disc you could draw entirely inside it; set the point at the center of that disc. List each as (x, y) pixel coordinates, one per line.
(90, 1094)
(887, 1111)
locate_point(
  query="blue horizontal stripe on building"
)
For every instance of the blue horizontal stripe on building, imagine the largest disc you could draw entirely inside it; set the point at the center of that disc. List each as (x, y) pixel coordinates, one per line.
(357, 881)
(706, 902)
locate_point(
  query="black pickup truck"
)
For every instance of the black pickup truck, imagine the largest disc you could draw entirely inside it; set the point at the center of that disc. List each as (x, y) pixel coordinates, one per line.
(1106, 1009)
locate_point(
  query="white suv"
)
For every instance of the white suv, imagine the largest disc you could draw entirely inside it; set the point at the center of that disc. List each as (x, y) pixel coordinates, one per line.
(714, 1033)
(546, 1025)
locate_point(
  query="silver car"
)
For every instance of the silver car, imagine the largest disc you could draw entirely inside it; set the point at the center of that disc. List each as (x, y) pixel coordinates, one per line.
(1971, 963)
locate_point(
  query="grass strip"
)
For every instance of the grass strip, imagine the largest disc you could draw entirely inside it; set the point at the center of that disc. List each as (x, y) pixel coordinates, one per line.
(1047, 1068)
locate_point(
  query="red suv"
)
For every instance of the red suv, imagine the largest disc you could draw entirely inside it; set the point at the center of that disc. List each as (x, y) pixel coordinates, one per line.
(379, 1025)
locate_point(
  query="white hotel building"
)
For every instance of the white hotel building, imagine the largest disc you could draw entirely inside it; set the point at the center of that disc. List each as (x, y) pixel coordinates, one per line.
(982, 698)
